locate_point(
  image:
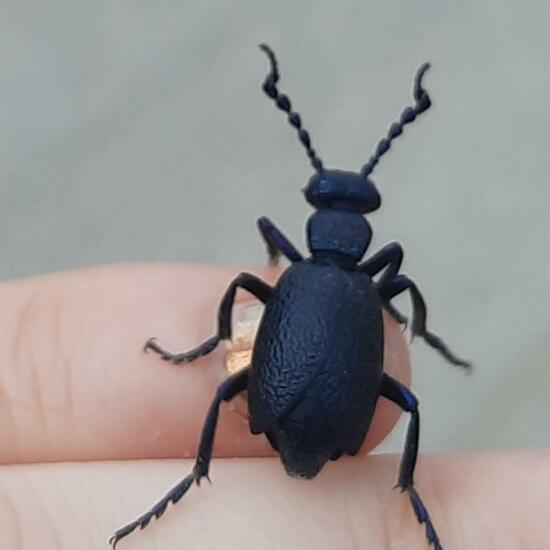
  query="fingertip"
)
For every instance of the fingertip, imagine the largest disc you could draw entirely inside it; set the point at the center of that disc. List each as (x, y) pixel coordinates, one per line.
(106, 399)
(397, 364)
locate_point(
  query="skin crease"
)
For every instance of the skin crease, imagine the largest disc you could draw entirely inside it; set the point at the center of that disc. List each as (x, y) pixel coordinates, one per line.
(80, 401)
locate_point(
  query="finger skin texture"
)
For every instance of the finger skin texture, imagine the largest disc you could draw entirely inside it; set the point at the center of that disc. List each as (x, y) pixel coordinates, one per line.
(479, 502)
(75, 383)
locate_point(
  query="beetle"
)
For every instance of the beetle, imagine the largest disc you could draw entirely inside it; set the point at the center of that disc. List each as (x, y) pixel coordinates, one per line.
(316, 369)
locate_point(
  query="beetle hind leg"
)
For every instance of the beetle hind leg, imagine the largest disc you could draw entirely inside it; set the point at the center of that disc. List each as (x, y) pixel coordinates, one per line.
(246, 281)
(226, 391)
(404, 398)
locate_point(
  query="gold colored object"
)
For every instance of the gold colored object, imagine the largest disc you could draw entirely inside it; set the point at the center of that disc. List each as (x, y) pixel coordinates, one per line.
(245, 326)
(239, 350)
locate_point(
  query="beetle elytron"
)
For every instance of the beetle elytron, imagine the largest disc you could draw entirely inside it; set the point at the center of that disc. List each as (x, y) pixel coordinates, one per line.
(316, 369)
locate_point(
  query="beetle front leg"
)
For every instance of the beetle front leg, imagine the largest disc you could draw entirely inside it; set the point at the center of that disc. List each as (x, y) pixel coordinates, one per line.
(404, 398)
(390, 288)
(226, 391)
(246, 281)
(277, 243)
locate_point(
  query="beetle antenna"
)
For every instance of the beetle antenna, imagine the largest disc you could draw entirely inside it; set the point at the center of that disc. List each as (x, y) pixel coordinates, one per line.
(422, 103)
(283, 102)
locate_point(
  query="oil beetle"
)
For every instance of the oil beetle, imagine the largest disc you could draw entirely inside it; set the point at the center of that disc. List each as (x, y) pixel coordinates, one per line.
(316, 370)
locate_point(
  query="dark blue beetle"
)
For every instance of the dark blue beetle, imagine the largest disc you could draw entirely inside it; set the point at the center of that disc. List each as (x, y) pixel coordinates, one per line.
(316, 371)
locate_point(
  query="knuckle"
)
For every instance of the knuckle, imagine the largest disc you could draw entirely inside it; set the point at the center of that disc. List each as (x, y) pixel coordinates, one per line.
(34, 376)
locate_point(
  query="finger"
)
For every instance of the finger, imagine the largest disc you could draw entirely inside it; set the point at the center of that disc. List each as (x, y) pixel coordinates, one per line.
(491, 501)
(76, 384)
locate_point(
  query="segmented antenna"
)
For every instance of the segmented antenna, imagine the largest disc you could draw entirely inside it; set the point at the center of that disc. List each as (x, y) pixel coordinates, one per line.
(407, 116)
(283, 102)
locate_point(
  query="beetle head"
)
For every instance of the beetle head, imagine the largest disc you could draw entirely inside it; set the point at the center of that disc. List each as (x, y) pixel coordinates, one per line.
(342, 190)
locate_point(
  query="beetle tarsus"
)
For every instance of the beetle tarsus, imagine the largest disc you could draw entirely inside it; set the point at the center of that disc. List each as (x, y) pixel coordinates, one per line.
(149, 344)
(423, 518)
(404, 398)
(438, 344)
(156, 511)
(185, 357)
(226, 391)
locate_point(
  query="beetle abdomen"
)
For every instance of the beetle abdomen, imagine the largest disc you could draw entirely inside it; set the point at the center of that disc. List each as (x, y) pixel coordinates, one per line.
(317, 364)
(305, 438)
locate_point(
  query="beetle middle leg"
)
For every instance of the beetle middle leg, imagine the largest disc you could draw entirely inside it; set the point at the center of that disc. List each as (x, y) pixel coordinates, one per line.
(246, 281)
(399, 283)
(388, 258)
(404, 398)
(277, 243)
(234, 385)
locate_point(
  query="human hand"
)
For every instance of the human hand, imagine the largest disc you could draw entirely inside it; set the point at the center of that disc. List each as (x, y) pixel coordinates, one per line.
(80, 404)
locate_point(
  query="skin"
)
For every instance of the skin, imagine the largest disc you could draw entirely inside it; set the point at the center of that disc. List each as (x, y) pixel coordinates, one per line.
(80, 403)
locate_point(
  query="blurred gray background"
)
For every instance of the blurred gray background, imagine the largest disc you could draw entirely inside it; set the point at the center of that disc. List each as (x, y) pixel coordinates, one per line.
(136, 131)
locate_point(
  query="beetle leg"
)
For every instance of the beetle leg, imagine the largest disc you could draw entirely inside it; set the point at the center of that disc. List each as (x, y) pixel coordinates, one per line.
(388, 258)
(390, 288)
(277, 243)
(225, 392)
(404, 398)
(396, 315)
(246, 281)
